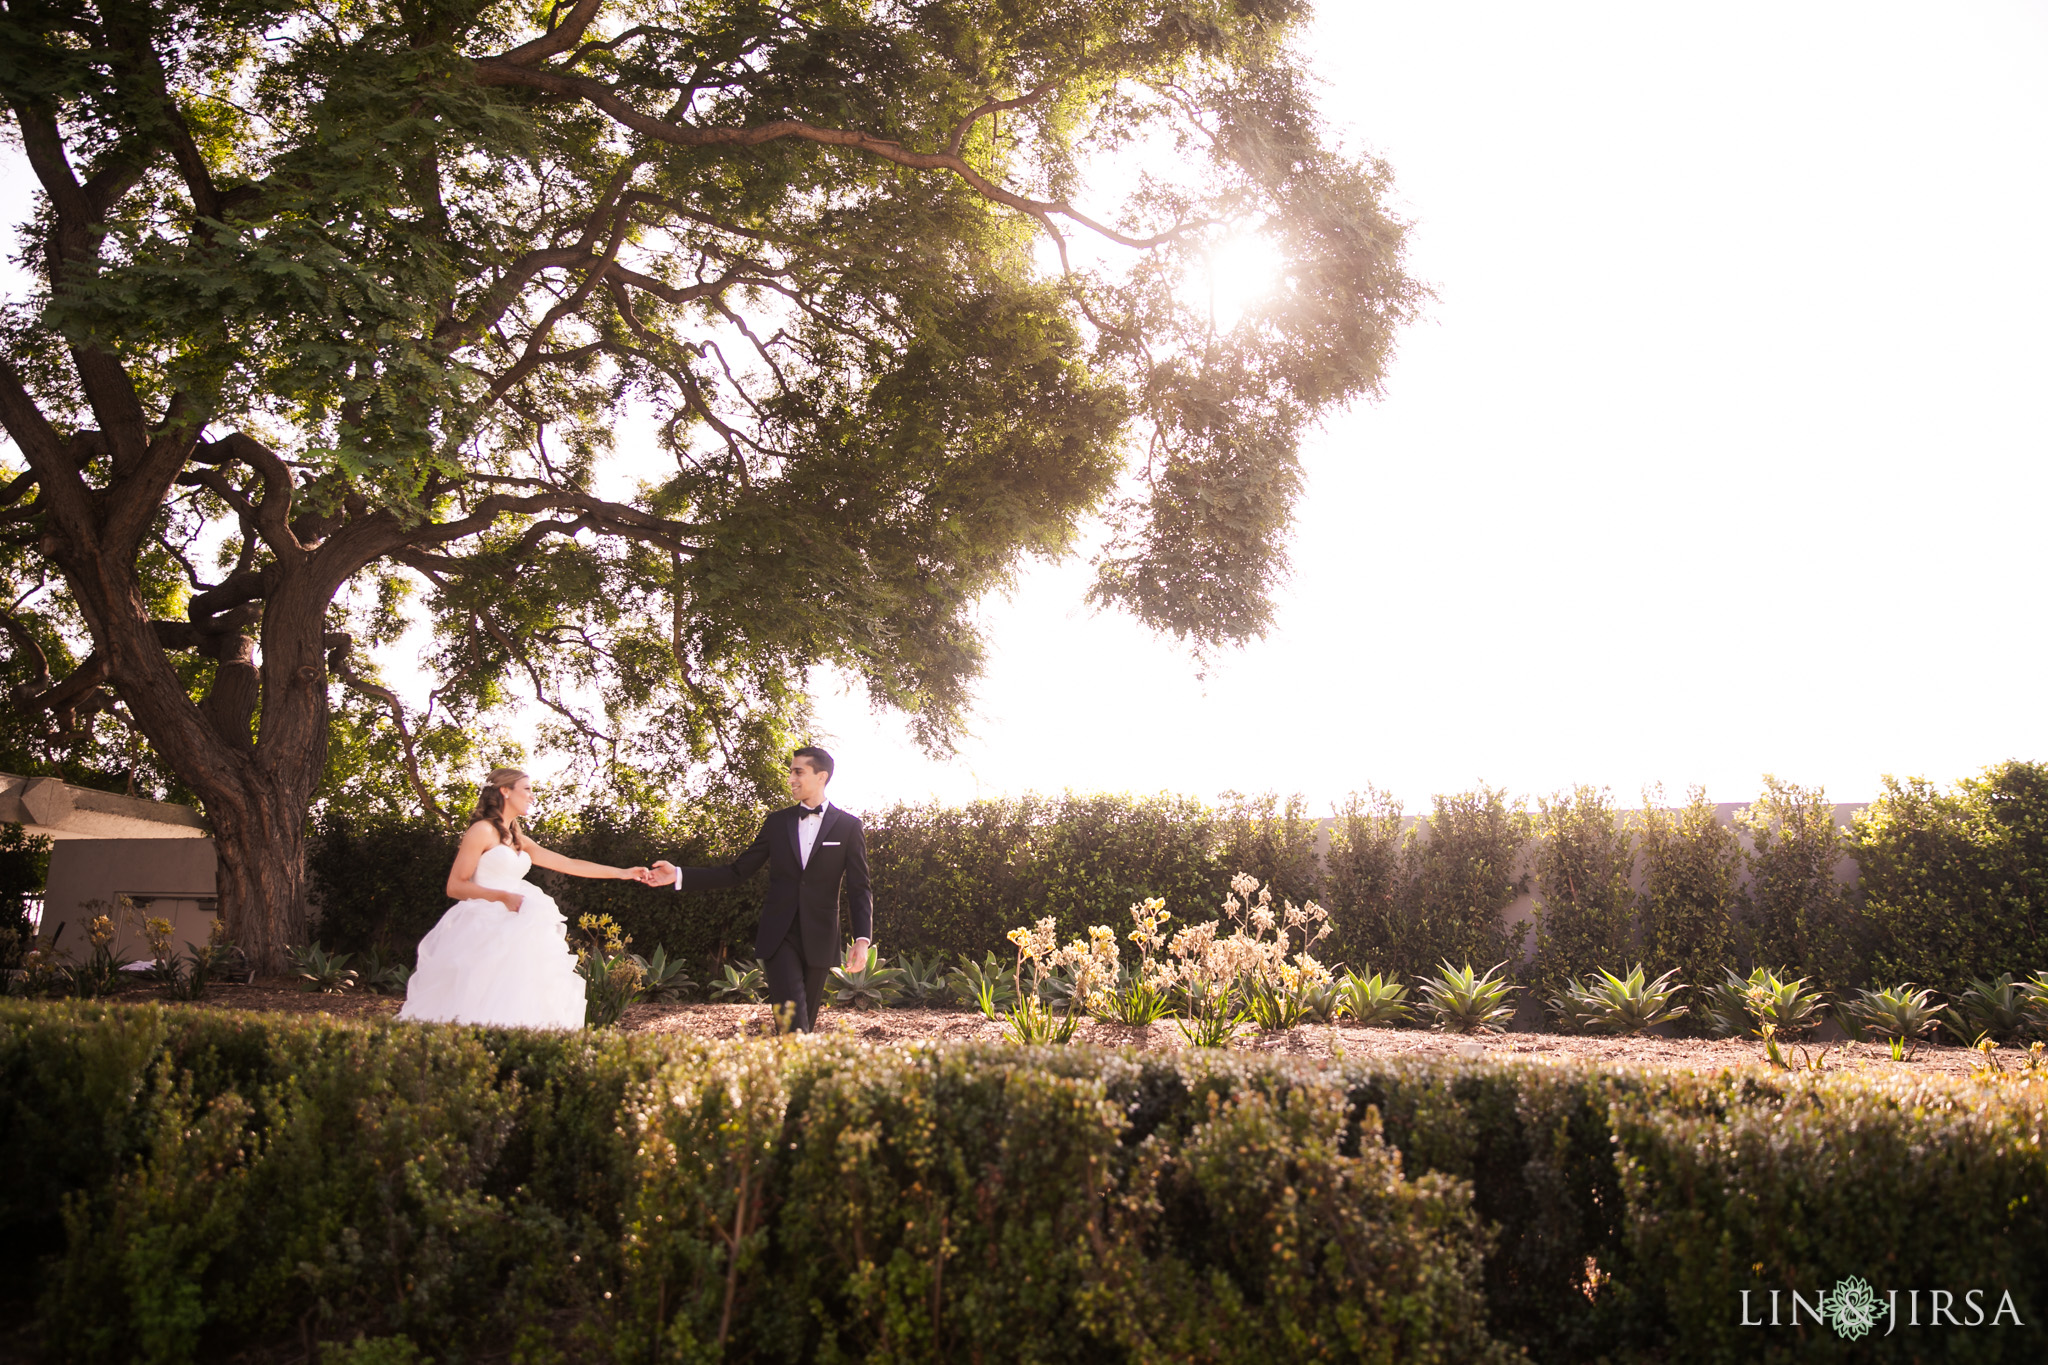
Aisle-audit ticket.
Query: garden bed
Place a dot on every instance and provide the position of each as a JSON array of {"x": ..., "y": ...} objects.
[{"x": 1309, "y": 1040}]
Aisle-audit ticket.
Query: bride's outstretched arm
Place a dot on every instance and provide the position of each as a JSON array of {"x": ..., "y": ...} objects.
[{"x": 577, "y": 867}]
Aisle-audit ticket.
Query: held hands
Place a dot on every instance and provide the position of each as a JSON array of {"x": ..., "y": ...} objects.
[{"x": 663, "y": 873}]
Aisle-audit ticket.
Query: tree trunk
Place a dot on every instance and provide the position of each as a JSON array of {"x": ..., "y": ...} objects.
[{"x": 259, "y": 834}]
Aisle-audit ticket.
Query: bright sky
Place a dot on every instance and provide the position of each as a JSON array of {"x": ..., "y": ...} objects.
[{"x": 1721, "y": 454}]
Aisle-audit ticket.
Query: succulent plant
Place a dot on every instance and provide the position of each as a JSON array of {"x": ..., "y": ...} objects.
[
  {"x": 1616, "y": 1004},
  {"x": 1376, "y": 1001},
  {"x": 1458, "y": 1000}
]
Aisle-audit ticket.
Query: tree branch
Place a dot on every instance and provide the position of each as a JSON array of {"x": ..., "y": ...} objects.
[
  {"x": 493, "y": 71},
  {"x": 339, "y": 646}
]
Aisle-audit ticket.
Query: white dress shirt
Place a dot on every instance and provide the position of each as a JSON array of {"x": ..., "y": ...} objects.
[{"x": 807, "y": 827}]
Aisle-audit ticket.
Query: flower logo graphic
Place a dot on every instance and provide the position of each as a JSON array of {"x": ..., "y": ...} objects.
[{"x": 1852, "y": 1307}]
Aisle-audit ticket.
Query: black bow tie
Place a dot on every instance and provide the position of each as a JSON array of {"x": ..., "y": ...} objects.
[{"x": 804, "y": 812}]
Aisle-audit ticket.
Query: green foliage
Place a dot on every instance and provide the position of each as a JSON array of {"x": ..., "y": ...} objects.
[
  {"x": 1137, "y": 1002},
  {"x": 923, "y": 980},
  {"x": 1792, "y": 1183},
  {"x": 24, "y": 870},
  {"x": 612, "y": 976},
  {"x": 1746, "y": 1005},
  {"x": 1796, "y": 911},
  {"x": 198, "y": 1185},
  {"x": 1276, "y": 1006},
  {"x": 383, "y": 976},
  {"x": 1460, "y": 877},
  {"x": 736, "y": 987},
  {"x": 987, "y": 985},
  {"x": 1367, "y": 887},
  {"x": 322, "y": 971},
  {"x": 1998, "y": 1009},
  {"x": 1618, "y": 1004},
  {"x": 1687, "y": 911},
  {"x": 1898, "y": 1014},
  {"x": 662, "y": 978},
  {"x": 1955, "y": 883},
  {"x": 1374, "y": 1001},
  {"x": 1033, "y": 1021},
  {"x": 1209, "y": 1013},
  {"x": 1584, "y": 908},
  {"x": 873, "y": 987},
  {"x": 1458, "y": 1000}
]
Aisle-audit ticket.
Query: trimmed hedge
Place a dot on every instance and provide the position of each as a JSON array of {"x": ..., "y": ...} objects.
[
  {"x": 1954, "y": 883},
  {"x": 195, "y": 1184}
]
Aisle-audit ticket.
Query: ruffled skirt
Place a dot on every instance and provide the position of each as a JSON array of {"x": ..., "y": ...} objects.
[{"x": 486, "y": 964}]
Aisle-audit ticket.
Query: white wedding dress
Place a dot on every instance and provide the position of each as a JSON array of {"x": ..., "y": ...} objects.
[{"x": 487, "y": 964}]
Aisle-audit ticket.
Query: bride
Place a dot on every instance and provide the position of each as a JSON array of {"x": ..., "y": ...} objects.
[{"x": 500, "y": 955}]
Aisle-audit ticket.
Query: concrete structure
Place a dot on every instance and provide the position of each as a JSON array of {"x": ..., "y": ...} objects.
[{"x": 116, "y": 855}]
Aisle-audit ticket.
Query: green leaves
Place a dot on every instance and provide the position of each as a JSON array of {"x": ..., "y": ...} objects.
[{"x": 696, "y": 345}]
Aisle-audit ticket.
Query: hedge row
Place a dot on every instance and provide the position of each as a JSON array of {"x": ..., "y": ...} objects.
[
  {"x": 189, "y": 1185},
  {"x": 1954, "y": 884}
]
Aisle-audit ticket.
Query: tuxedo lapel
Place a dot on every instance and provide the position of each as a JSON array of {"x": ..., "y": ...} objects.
[{"x": 796, "y": 845}]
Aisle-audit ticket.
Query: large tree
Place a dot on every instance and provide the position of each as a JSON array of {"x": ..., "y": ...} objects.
[{"x": 340, "y": 298}]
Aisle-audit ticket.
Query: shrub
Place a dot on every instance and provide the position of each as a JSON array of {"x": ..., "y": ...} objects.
[
  {"x": 1584, "y": 907},
  {"x": 24, "y": 872},
  {"x": 1364, "y": 886},
  {"x": 1687, "y": 909},
  {"x": 1459, "y": 876},
  {"x": 1955, "y": 883},
  {"x": 1796, "y": 912},
  {"x": 193, "y": 1185}
]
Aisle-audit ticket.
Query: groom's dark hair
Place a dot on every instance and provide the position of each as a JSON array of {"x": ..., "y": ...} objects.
[{"x": 820, "y": 760}]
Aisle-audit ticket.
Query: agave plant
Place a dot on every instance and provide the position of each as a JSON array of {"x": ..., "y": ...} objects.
[
  {"x": 873, "y": 987},
  {"x": 1375, "y": 1001},
  {"x": 1630, "y": 1004},
  {"x": 1900, "y": 1015},
  {"x": 1570, "y": 1011},
  {"x": 662, "y": 978},
  {"x": 2035, "y": 989},
  {"x": 742, "y": 987},
  {"x": 1321, "y": 1002},
  {"x": 986, "y": 986},
  {"x": 923, "y": 979},
  {"x": 318, "y": 970},
  {"x": 1991, "y": 1009},
  {"x": 1458, "y": 1000},
  {"x": 1741, "y": 1006}
]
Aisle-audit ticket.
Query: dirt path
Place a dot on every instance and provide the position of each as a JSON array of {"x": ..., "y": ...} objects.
[{"x": 1311, "y": 1040}]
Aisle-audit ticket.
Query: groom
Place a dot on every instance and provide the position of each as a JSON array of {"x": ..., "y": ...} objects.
[{"x": 810, "y": 848}]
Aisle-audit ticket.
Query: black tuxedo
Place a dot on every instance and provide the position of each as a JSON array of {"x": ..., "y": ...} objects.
[{"x": 798, "y": 941}]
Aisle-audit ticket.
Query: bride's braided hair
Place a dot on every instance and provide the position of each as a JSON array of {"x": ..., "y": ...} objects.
[{"x": 490, "y": 804}]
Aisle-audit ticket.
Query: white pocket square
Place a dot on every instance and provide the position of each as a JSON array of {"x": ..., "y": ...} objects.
[{"x": 832, "y": 843}]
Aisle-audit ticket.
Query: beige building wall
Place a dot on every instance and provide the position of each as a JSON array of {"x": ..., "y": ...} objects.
[{"x": 170, "y": 878}]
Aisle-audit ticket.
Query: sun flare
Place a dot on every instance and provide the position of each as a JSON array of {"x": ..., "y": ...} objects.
[{"x": 1232, "y": 276}]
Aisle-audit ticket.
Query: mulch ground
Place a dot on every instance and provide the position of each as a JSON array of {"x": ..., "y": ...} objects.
[{"x": 1310, "y": 1040}]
